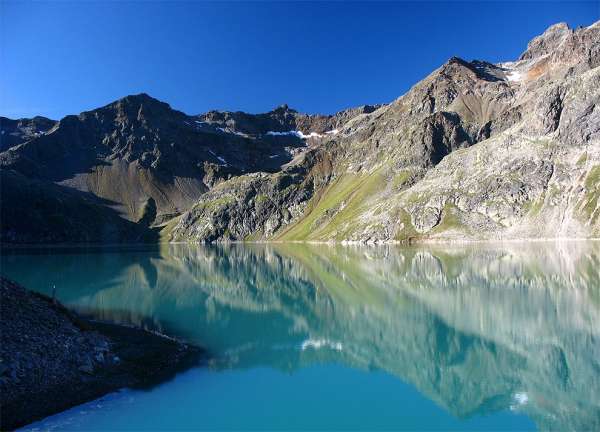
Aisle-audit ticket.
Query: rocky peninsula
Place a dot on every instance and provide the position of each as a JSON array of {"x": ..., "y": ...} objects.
[{"x": 52, "y": 359}]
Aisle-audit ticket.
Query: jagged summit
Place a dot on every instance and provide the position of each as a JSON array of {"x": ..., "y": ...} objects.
[
  {"x": 283, "y": 108},
  {"x": 141, "y": 105},
  {"x": 547, "y": 42},
  {"x": 139, "y": 98}
]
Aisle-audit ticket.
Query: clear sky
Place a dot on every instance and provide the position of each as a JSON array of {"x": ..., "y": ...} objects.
[{"x": 62, "y": 58}]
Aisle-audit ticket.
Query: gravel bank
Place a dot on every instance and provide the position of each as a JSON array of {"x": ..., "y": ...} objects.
[{"x": 51, "y": 359}]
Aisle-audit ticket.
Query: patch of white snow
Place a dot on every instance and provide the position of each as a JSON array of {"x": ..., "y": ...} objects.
[
  {"x": 299, "y": 134},
  {"x": 514, "y": 76},
  {"x": 218, "y": 157},
  {"x": 232, "y": 132}
]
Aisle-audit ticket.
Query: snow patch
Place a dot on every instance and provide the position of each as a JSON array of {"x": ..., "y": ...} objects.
[
  {"x": 218, "y": 157},
  {"x": 232, "y": 132},
  {"x": 321, "y": 343},
  {"x": 514, "y": 76},
  {"x": 332, "y": 132},
  {"x": 298, "y": 134}
]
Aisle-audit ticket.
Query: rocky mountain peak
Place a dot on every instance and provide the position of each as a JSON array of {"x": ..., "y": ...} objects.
[
  {"x": 140, "y": 98},
  {"x": 455, "y": 66},
  {"x": 136, "y": 114},
  {"x": 481, "y": 69},
  {"x": 457, "y": 60},
  {"x": 283, "y": 108},
  {"x": 547, "y": 42},
  {"x": 139, "y": 106}
]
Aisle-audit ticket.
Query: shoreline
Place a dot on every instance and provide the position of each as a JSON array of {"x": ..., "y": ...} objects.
[
  {"x": 53, "y": 359},
  {"x": 412, "y": 243}
]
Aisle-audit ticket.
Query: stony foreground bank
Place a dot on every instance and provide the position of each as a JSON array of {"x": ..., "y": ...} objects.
[{"x": 51, "y": 359}]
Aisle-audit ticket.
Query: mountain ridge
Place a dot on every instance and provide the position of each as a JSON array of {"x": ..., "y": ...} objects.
[{"x": 474, "y": 151}]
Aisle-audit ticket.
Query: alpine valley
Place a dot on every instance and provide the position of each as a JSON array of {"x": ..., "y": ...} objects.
[{"x": 474, "y": 151}]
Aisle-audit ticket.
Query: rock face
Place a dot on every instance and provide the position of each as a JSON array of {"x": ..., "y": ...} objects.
[
  {"x": 474, "y": 151},
  {"x": 53, "y": 360}
]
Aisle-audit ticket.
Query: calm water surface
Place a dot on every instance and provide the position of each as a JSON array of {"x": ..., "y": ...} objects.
[{"x": 502, "y": 337}]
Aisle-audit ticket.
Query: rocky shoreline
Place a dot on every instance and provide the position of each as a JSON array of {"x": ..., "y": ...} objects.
[{"x": 51, "y": 359}]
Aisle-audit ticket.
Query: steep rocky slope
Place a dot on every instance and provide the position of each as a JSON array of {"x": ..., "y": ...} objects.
[
  {"x": 474, "y": 151},
  {"x": 34, "y": 211}
]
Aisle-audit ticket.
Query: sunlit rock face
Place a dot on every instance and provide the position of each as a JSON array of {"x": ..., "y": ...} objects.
[
  {"x": 473, "y": 151},
  {"x": 475, "y": 328}
]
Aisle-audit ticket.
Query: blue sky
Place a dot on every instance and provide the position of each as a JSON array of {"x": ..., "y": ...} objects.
[{"x": 59, "y": 58}]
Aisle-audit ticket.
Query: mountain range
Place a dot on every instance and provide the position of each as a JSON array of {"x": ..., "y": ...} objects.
[{"x": 474, "y": 151}]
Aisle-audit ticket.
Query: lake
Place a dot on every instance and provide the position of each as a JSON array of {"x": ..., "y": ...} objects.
[{"x": 479, "y": 337}]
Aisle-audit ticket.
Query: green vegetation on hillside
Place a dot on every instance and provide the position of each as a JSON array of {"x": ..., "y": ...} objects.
[{"x": 337, "y": 210}]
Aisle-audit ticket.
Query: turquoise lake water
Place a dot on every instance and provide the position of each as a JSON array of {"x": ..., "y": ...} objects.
[{"x": 304, "y": 337}]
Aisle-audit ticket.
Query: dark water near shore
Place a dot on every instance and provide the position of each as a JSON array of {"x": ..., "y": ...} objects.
[{"x": 486, "y": 337}]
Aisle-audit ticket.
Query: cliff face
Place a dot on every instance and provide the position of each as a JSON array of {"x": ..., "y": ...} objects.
[{"x": 474, "y": 151}]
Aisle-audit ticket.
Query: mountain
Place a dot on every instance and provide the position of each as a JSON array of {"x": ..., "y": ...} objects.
[
  {"x": 15, "y": 132},
  {"x": 474, "y": 151}
]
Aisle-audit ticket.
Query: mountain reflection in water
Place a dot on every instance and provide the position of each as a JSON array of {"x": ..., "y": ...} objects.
[{"x": 477, "y": 329}]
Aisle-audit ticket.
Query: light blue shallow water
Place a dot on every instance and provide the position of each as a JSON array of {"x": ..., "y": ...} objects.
[{"x": 501, "y": 337}]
